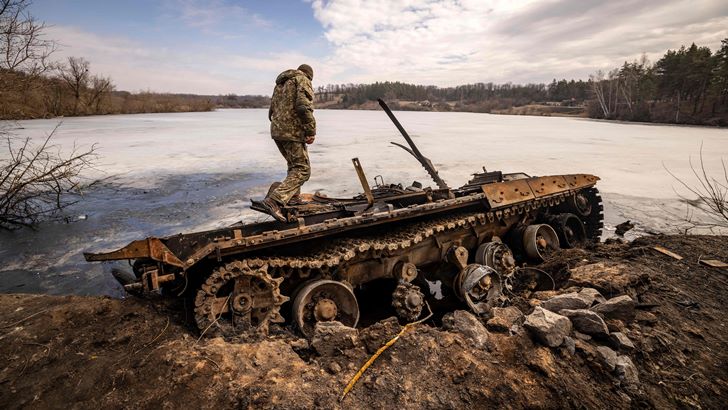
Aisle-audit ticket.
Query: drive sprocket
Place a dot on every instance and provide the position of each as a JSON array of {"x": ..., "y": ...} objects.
[
  {"x": 237, "y": 298},
  {"x": 408, "y": 301}
]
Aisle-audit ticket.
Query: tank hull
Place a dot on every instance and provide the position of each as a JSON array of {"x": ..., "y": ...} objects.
[{"x": 246, "y": 275}]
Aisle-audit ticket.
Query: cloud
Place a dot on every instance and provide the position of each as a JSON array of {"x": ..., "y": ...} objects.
[
  {"x": 210, "y": 15},
  {"x": 440, "y": 42},
  {"x": 448, "y": 42},
  {"x": 135, "y": 66}
]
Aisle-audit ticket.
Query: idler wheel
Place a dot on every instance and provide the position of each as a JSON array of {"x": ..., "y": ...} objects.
[
  {"x": 539, "y": 241},
  {"x": 324, "y": 300},
  {"x": 570, "y": 230}
]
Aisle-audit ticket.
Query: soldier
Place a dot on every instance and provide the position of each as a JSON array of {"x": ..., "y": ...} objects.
[{"x": 292, "y": 126}]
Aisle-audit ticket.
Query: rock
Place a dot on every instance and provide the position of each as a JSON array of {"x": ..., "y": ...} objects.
[
  {"x": 582, "y": 336},
  {"x": 615, "y": 325},
  {"x": 626, "y": 371},
  {"x": 542, "y": 361},
  {"x": 330, "y": 338},
  {"x": 565, "y": 301},
  {"x": 585, "y": 348},
  {"x": 544, "y": 294},
  {"x": 534, "y": 302},
  {"x": 569, "y": 345},
  {"x": 608, "y": 357},
  {"x": 300, "y": 344},
  {"x": 333, "y": 368},
  {"x": 645, "y": 318},
  {"x": 376, "y": 335},
  {"x": 505, "y": 318},
  {"x": 467, "y": 325},
  {"x": 620, "y": 341},
  {"x": 591, "y": 295},
  {"x": 621, "y": 308},
  {"x": 623, "y": 228},
  {"x": 548, "y": 327},
  {"x": 586, "y": 321}
]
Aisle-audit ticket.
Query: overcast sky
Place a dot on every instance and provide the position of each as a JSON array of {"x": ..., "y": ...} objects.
[{"x": 226, "y": 46}]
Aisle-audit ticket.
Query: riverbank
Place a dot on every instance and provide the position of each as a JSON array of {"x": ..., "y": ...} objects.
[
  {"x": 533, "y": 109},
  {"x": 91, "y": 352}
]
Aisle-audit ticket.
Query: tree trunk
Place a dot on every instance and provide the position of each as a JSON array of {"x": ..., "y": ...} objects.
[{"x": 677, "y": 111}]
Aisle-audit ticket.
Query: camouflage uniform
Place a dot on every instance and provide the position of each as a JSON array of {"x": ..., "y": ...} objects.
[{"x": 291, "y": 123}]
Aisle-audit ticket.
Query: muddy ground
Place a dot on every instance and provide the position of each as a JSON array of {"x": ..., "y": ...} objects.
[{"x": 93, "y": 352}]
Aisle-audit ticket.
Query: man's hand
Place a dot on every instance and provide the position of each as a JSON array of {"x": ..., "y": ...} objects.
[{"x": 310, "y": 139}]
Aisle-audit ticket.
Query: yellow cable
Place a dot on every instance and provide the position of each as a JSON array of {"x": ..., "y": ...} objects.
[{"x": 381, "y": 350}]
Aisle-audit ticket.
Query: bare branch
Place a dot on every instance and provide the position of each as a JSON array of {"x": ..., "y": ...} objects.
[
  {"x": 22, "y": 45},
  {"x": 711, "y": 194},
  {"x": 37, "y": 183}
]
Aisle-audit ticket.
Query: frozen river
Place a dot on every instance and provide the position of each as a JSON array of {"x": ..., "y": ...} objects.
[{"x": 169, "y": 173}]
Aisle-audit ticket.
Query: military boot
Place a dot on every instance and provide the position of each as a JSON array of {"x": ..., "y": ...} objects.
[{"x": 273, "y": 209}]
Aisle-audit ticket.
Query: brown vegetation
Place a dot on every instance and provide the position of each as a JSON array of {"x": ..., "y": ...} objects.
[{"x": 73, "y": 91}]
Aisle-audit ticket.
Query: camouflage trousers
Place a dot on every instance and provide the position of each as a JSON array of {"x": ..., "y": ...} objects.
[{"x": 299, "y": 170}]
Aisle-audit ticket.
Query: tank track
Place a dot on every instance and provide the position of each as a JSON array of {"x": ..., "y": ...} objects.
[
  {"x": 594, "y": 222},
  {"x": 325, "y": 262}
]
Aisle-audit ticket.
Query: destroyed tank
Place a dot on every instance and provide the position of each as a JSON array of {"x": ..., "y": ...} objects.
[{"x": 424, "y": 244}]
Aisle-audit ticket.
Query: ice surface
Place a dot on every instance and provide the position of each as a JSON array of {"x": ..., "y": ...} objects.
[{"x": 170, "y": 173}]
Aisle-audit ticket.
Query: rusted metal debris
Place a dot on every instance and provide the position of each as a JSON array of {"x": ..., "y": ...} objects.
[{"x": 467, "y": 239}]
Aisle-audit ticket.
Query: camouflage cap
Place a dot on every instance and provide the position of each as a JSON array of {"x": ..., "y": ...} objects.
[{"x": 307, "y": 70}]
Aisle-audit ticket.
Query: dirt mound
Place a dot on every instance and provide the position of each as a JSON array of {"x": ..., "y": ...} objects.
[{"x": 84, "y": 352}]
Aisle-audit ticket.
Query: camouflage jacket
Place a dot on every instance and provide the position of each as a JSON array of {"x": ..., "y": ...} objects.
[{"x": 291, "y": 108}]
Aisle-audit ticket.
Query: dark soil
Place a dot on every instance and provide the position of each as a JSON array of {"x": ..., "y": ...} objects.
[{"x": 90, "y": 352}]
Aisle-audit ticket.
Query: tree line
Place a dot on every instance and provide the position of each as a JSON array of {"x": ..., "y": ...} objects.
[{"x": 688, "y": 85}]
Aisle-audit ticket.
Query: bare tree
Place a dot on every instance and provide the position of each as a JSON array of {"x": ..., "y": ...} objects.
[
  {"x": 38, "y": 181},
  {"x": 76, "y": 76},
  {"x": 22, "y": 46},
  {"x": 711, "y": 193},
  {"x": 100, "y": 88},
  {"x": 606, "y": 91}
]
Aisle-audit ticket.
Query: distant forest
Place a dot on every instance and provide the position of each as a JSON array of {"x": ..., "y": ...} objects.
[{"x": 688, "y": 85}]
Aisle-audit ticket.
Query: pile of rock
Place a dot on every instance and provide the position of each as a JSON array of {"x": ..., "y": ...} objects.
[
  {"x": 589, "y": 317},
  {"x": 581, "y": 320}
]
